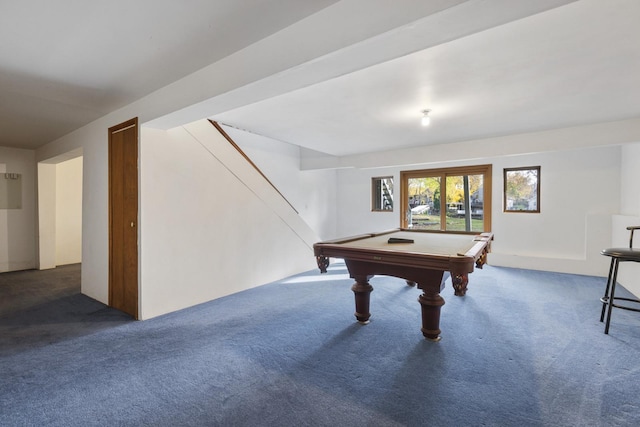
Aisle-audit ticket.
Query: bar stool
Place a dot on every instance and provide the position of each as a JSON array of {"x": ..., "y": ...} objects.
[{"x": 618, "y": 255}]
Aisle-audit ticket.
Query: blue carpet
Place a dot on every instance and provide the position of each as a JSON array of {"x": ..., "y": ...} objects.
[{"x": 522, "y": 348}]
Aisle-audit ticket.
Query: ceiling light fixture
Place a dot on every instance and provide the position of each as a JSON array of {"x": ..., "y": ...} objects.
[{"x": 425, "y": 118}]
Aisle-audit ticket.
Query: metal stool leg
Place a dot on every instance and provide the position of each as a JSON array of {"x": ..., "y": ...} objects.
[
  {"x": 610, "y": 300},
  {"x": 605, "y": 297}
]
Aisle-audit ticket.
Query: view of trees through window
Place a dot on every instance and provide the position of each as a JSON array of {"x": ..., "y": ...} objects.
[
  {"x": 451, "y": 199},
  {"x": 521, "y": 192},
  {"x": 424, "y": 203}
]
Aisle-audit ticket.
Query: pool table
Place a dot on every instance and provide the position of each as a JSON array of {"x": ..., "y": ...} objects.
[{"x": 420, "y": 257}]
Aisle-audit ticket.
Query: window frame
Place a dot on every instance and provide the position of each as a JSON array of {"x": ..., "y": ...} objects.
[
  {"x": 484, "y": 170},
  {"x": 374, "y": 191},
  {"x": 504, "y": 189}
]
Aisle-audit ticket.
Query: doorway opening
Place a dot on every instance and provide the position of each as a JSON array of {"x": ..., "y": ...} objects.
[{"x": 60, "y": 210}]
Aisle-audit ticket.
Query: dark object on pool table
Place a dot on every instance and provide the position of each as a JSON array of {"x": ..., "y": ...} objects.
[{"x": 397, "y": 240}]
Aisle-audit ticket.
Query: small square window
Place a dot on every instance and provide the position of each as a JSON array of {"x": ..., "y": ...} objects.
[{"x": 522, "y": 189}]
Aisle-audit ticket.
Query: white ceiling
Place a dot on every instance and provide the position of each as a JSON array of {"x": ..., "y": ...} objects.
[
  {"x": 573, "y": 65},
  {"x": 65, "y": 63},
  {"x": 525, "y": 70}
]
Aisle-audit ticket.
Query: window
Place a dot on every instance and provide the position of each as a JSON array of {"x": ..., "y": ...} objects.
[
  {"x": 522, "y": 189},
  {"x": 449, "y": 199},
  {"x": 382, "y": 194}
]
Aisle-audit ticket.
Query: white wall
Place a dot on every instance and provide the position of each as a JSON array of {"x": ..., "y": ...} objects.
[
  {"x": 354, "y": 199},
  {"x": 46, "y": 216},
  {"x": 578, "y": 196},
  {"x": 311, "y": 193},
  {"x": 629, "y": 273},
  {"x": 95, "y": 207},
  {"x": 68, "y": 216},
  {"x": 17, "y": 226},
  {"x": 209, "y": 224},
  {"x": 577, "y": 202},
  {"x": 629, "y": 179}
]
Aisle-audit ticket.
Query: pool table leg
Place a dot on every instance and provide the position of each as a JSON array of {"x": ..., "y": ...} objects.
[
  {"x": 459, "y": 282},
  {"x": 431, "y": 304},
  {"x": 323, "y": 263},
  {"x": 362, "y": 291}
]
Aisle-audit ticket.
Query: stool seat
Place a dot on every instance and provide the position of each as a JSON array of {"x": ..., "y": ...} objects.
[{"x": 625, "y": 254}]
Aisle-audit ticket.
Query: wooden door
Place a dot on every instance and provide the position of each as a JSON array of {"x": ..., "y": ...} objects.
[{"x": 123, "y": 217}]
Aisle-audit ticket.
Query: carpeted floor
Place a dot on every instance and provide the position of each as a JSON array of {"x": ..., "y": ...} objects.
[
  {"x": 41, "y": 307},
  {"x": 522, "y": 348}
]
